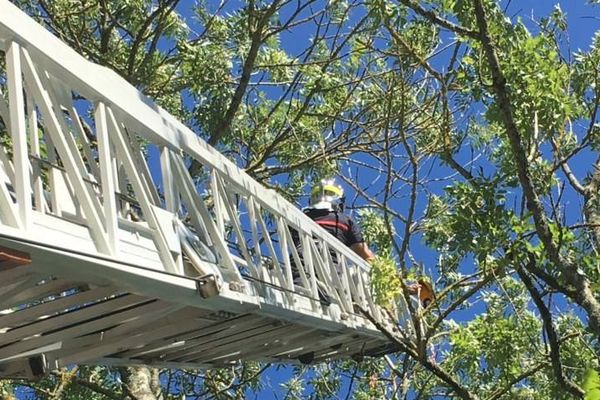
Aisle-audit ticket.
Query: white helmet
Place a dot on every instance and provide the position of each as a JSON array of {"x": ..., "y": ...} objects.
[{"x": 327, "y": 195}]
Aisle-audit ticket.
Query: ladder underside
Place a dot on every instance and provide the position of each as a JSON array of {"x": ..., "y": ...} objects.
[{"x": 64, "y": 308}]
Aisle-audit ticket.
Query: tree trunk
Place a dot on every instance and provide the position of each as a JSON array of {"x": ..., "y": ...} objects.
[{"x": 142, "y": 383}]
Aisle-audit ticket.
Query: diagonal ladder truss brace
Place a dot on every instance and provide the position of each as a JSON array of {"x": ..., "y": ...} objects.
[
  {"x": 205, "y": 222},
  {"x": 72, "y": 162},
  {"x": 146, "y": 200}
]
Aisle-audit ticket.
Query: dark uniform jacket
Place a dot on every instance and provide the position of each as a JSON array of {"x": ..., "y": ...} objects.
[{"x": 338, "y": 224}]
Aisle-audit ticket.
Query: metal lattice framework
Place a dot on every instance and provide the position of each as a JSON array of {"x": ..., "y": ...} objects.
[{"x": 124, "y": 273}]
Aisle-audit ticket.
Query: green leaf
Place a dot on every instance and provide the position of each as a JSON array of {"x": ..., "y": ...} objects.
[{"x": 591, "y": 385}]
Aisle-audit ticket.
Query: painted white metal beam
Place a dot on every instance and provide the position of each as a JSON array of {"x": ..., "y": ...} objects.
[
  {"x": 60, "y": 139},
  {"x": 107, "y": 174},
  {"x": 18, "y": 133}
]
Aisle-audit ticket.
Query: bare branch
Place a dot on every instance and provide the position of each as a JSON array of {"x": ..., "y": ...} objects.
[
  {"x": 422, "y": 359},
  {"x": 565, "y": 383}
]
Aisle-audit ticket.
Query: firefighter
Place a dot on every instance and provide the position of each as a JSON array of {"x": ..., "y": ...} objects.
[{"x": 326, "y": 208}]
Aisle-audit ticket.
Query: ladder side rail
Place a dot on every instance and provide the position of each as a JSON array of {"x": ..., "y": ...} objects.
[
  {"x": 196, "y": 209},
  {"x": 318, "y": 263},
  {"x": 276, "y": 267},
  {"x": 318, "y": 234},
  {"x": 322, "y": 269},
  {"x": 279, "y": 207},
  {"x": 336, "y": 269},
  {"x": 77, "y": 213},
  {"x": 140, "y": 163},
  {"x": 171, "y": 196},
  {"x": 403, "y": 317},
  {"x": 55, "y": 173},
  {"x": 125, "y": 209},
  {"x": 159, "y": 216},
  {"x": 217, "y": 203},
  {"x": 259, "y": 263},
  {"x": 62, "y": 97},
  {"x": 268, "y": 263},
  {"x": 151, "y": 121},
  {"x": 339, "y": 286},
  {"x": 310, "y": 268},
  {"x": 80, "y": 128},
  {"x": 372, "y": 306},
  {"x": 60, "y": 100},
  {"x": 300, "y": 264},
  {"x": 349, "y": 294},
  {"x": 358, "y": 295},
  {"x": 285, "y": 252}
]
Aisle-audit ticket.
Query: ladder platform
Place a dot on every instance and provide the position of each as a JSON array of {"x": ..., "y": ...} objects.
[{"x": 58, "y": 319}]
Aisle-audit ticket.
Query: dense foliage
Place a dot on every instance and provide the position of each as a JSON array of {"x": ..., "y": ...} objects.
[{"x": 469, "y": 138}]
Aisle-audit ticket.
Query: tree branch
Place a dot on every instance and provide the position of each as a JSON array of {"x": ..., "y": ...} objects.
[
  {"x": 460, "y": 301},
  {"x": 565, "y": 383},
  {"x": 435, "y": 369},
  {"x": 256, "y": 36},
  {"x": 583, "y": 294},
  {"x": 98, "y": 389},
  {"x": 591, "y": 205},
  {"x": 436, "y": 19},
  {"x": 498, "y": 393}
]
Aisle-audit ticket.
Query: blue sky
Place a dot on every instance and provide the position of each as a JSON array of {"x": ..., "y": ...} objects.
[{"x": 583, "y": 21}]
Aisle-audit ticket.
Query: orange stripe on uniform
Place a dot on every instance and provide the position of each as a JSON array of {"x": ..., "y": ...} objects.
[{"x": 339, "y": 225}]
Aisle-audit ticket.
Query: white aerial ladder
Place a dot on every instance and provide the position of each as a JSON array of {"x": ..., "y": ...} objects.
[{"x": 99, "y": 267}]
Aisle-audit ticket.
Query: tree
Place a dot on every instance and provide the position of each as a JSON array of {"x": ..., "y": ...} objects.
[
  {"x": 467, "y": 136},
  {"x": 522, "y": 94}
]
